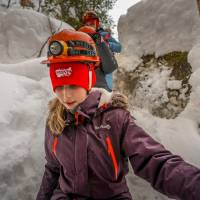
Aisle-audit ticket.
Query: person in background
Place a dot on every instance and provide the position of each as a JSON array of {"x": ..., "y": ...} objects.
[
  {"x": 90, "y": 135},
  {"x": 107, "y": 63},
  {"x": 90, "y": 18}
]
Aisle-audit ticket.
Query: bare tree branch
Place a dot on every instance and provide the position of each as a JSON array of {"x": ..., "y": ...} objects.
[
  {"x": 52, "y": 32},
  {"x": 50, "y": 25},
  {"x": 39, "y": 6},
  {"x": 8, "y": 4},
  {"x": 40, "y": 52}
]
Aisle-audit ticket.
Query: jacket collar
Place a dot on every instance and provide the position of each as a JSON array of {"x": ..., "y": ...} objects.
[
  {"x": 97, "y": 101},
  {"x": 90, "y": 105},
  {"x": 86, "y": 109}
]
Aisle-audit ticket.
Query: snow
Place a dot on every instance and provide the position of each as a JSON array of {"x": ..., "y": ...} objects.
[
  {"x": 160, "y": 27},
  {"x": 174, "y": 84},
  {"x": 30, "y": 68},
  {"x": 153, "y": 87},
  {"x": 23, "y": 109},
  {"x": 19, "y": 28},
  {"x": 193, "y": 57},
  {"x": 149, "y": 27}
]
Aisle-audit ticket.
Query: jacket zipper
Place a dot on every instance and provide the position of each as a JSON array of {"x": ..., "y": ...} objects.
[{"x": 75, "y": 170}]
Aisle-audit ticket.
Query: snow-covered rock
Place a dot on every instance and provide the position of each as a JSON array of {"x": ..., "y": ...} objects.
[
  {"x": 23, "y": 33},
  {"x": 160, "y": 27}
]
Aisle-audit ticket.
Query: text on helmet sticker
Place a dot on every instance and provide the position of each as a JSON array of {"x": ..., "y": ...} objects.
[{"x": 63, "y": 72}]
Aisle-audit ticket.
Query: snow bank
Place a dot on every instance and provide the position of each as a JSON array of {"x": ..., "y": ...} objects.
[
  {"x": 25, "y": 91},
  {"x": 159, "y": 27},
  {"x": 23, "y": 106},
  {"x": 30, "y": 68}
]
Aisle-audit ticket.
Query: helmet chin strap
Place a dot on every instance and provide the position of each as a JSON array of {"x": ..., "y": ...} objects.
[
  {"x": 90, "y": 79},
  {"x": 90, "y": 76}
]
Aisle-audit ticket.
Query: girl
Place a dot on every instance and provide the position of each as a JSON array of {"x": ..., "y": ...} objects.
[{"x": 88, "y": 142}]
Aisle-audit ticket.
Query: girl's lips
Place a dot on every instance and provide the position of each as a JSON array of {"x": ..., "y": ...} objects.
[{"x": 70, "y": 103}]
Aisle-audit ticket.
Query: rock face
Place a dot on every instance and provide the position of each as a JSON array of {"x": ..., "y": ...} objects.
[
  {"x": 158, "y": 84},
  {"x": 154, "y": 71}
]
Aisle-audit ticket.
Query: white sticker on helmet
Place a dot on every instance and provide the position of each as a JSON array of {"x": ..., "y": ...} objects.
[{"x": 63, "y": 72}]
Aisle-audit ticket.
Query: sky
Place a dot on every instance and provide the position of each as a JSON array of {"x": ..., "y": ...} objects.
[{"x": 119, "y": 9}]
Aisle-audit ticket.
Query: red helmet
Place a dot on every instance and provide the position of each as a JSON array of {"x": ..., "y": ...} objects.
[
  {"x": 92, "y": 32},
  {"x": 72, "y": 46},
  {"x": 72, "y": 57},
  {"x": 89, "y": 15},
  {"x": 87, "y": 29}
]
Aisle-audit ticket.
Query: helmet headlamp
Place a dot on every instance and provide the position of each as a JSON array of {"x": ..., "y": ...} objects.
[{"x": 57, "y": 48}]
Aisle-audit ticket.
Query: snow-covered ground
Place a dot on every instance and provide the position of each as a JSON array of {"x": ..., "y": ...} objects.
[{"x": 25, "y": 89}]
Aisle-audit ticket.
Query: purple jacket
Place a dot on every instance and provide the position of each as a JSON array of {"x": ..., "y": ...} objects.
[{"x": 89, "y": 160}]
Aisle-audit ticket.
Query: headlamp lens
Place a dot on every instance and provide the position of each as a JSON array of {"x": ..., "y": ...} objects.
[{"x": 55, "y": 48}]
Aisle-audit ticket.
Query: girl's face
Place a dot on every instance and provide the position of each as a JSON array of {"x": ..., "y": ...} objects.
[{"x": 71, "y": 95}]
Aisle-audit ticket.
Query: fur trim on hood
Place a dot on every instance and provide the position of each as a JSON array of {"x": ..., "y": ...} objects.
[{"x": 116, "y": 99}]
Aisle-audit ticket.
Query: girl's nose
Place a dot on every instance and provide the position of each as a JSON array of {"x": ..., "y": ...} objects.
[{"x": 66, "y": 93}]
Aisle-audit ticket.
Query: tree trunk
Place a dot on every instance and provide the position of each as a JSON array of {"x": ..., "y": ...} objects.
[
  {"x": 8, "y": 4},
  {"x": 26, "y": 3},
  {"x": 40, "y": 1},
  {"x": 198, "y": 5}
]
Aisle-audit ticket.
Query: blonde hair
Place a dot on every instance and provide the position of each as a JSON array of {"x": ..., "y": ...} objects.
[{"x": 56, "y": 117}]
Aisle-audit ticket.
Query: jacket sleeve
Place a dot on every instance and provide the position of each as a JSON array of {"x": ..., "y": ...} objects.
[
  {"x": 108, "y": 61},
  {"x": 51, "y": 173},
  {"x": 167, "y": 173},
  {"x": 115, "y": 46}
]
